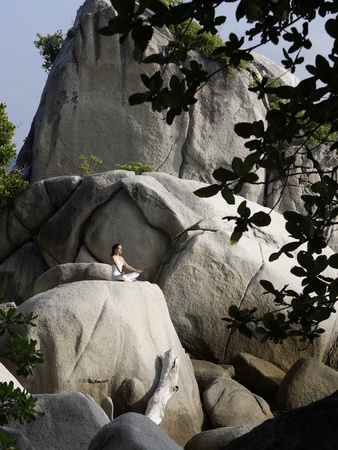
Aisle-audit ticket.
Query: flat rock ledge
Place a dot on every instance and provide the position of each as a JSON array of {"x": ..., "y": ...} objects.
[{"x": 70, "y": 272}]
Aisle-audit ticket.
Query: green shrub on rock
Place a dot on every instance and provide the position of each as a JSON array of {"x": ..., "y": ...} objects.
[{"x": 136, "y": 167}]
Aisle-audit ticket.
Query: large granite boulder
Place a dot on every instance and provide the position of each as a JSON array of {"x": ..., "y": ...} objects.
[
  {"x": 181, "y": 243},
  {"x": 70, "y": 421},
  {"x": 96, "y": 334},
  {"x": 95, "y": 70}
]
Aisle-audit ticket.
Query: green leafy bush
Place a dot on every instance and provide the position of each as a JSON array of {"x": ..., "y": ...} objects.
[
  {"x": 49, "y": 47},
  {"x": 136, "y": 167},
  {"x": 89, "y": 166},
  {"x": 189, "y": 33},
  {"x": 14, "y": 402},
  {"x": 11, "y": 183}
]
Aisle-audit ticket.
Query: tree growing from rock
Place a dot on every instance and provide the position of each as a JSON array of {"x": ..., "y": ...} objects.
[
  {"x": 10, "y": 182},
  {"x": 300, "y": 119},
  {"x": 49, "y": 47}
]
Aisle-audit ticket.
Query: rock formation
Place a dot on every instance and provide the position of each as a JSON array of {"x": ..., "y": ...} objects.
[
  {"x": 179, "y": 240},
  {"x": 89, "y": 86},
  {"x": 96, "y": 334},
  {"x": 103, "y": 340},
  {"x": 70, "y": 421}
]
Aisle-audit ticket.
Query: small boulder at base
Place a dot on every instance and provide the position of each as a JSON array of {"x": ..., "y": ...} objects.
[
  {"x": 229, "y": 404},
  {"x": 215, "y": 439},
  {"x": 307, "y": 381},
  {"x": 132, "y": 431},
  {"x": 207, "y": 373},
  {"x": 258, "y": 375}
]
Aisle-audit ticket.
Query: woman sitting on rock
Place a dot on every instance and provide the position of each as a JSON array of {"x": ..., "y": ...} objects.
[{"x": 118, "y": 263}]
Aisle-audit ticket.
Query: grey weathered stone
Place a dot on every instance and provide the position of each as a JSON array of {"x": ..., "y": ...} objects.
[
  {"x": 85, "y": 256},
  {"x": 19, "y": 272},
  {"x": 108, "y": 407},
  {"x": 307, "y": 381},
  {"x": 59, "y": 189},
  {"x": 207, "y": 373},
  {"x": 68, "y": 273},
  {"x": 70, "y": 421},
  {"x": 258, "y": 375},
  {"x": 45, "y": 197},
  {"x": 130, "y": 396},
  {"x": 160, "y": 207},
  {"x": 217, "y": 438},
  {"x": 21, "y": 441},
  {"x": 265, "y": 67},
  {"x": 132, "y": 431},
  {"x": 120, "y": 220},
  {"x": 228, "y": 404},
  {"x": 7, "y": 247},
  {"x": 60, "y": 237},
  {"x": 97, "y": 70},
  {"x": 200, "y": 274},
  {"x": 311, "y": 427},
  {"x": 7, "y": 305},
  {"x": 95, "y": 334},
  {"x": 17, "y": 232},
  {"x": 35, "y": 198}
]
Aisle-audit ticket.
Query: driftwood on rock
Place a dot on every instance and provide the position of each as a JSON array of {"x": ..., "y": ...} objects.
[{"x": 166, "y": 387}]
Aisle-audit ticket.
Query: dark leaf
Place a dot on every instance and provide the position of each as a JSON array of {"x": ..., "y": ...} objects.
[
  {"x": 224, "y": 175},
  {"x": 260, "y": 219},
  {"x": 237, "y": 166},
  {"x": 235, "y": 237},
  {"x": 333, "y": 261},
  {"x": 228, "y": 195},
  {"x": 138, "y": 99},
  {"x": 208, "y": 191},
  {"x": 267, "y": 285},
  {"x": 244, "y": 129}
]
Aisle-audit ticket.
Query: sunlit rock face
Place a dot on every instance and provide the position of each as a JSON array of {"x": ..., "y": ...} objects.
[
  {"x": 84, "y": 109},
  {"x": 178, "y": 239}
]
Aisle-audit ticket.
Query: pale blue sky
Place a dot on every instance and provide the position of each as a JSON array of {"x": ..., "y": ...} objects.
[{"x": 21, "y": 77}]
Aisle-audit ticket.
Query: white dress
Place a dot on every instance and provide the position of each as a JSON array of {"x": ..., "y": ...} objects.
[{"x": 117, "y": 276}]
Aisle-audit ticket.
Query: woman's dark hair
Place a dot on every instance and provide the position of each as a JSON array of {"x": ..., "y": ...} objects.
[{"x": 114, "y": 248}]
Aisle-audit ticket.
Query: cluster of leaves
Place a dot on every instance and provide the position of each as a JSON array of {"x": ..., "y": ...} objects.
[
  {"x": 89, "y": 166},
  {"x": 49, "y": 47},
  {"x": 18, "y": 404},
  {"x": 313, "y": 134},
  {"x": 10, "y": 182},
  {"x": 15, "y": 348},
  {"x": 199, "y": 28},
  {"x": 299, "y": 117},
  {"x": 188, "y": 36},
  {"x": 14, "y": 402},
  {"x": 137, "y": 167}
]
